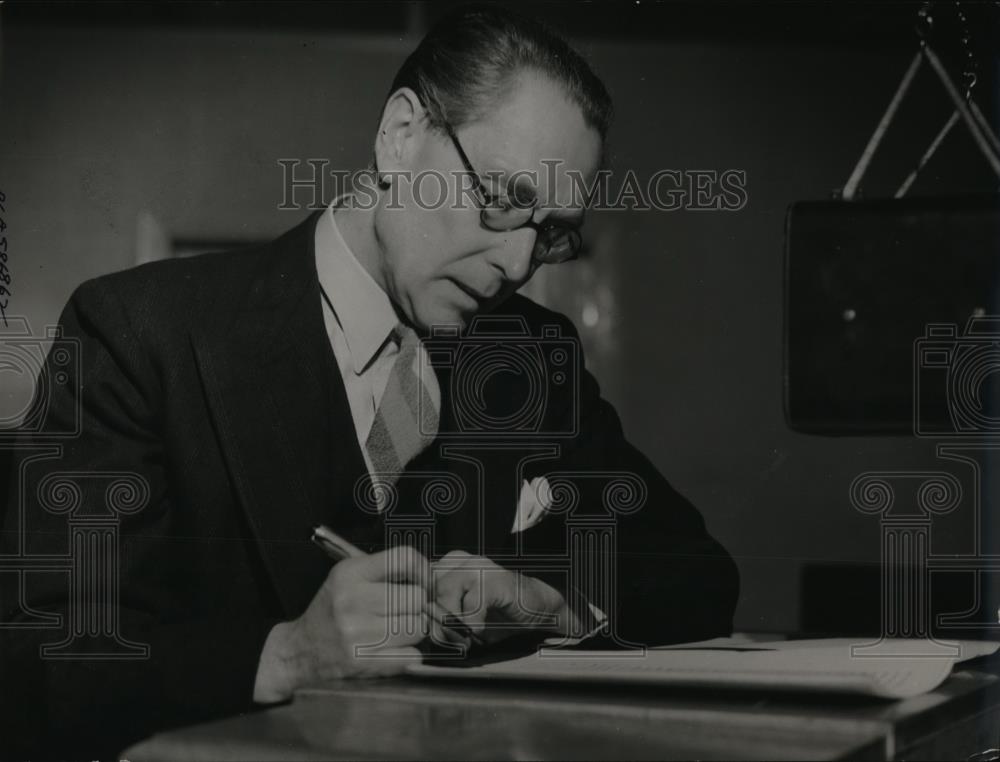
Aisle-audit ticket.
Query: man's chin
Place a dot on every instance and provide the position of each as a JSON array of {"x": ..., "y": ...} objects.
[
  {"x": 443, "y": 317},
  {"x": 451, "y": 315}
]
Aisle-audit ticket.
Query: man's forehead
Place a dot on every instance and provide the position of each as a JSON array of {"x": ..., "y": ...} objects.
[
  {"x": 550, "y": 181},
  {"x": 538, "y": 136},
  {"x": 551, "y": 175}
]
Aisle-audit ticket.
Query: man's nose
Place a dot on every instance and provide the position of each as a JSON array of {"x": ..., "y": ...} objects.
[{"x": 513, "y": 257}]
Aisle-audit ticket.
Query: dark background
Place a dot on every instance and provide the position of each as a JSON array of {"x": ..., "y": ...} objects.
[{"x": 126, "y": 128}]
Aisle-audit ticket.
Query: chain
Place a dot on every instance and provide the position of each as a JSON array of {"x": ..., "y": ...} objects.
[
  {"x": 971, "y": 64},
  {"x": 925, "y": 25}
]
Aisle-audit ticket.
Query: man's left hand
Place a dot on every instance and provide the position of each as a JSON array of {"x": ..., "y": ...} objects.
[{"x": 496, "y": 602}]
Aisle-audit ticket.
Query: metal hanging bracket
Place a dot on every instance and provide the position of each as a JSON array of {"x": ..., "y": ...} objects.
[{"x": 966, "y": 110}]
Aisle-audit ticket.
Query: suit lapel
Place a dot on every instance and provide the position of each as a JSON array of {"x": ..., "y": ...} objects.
[{"x": 274, "y": 393}]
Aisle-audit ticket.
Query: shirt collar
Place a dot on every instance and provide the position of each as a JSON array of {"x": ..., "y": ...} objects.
[{"x": 362, "y": 308}]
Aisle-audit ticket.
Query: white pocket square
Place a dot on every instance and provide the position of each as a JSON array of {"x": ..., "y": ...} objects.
[{"x": 534, "y": 502}]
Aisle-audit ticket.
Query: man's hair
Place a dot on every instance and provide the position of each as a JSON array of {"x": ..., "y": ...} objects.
[{"x": 470, "y": 61}]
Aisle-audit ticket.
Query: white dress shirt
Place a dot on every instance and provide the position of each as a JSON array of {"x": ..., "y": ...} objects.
[{"x": 360, "y": 324}]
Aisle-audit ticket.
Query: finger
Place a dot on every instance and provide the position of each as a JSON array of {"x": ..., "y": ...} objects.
[
  {"x": 454, "y": 559},
  {"x": 367, "y": 633},
  {"x": 455, "y": 629},
  {"x": 441, "y": 631},
  {"x": 387, "y": 660},
  {"x": 411, "y": 629},
  {"x": 450, "y": 589},
  {"x": 436, "y": 612},
  {"x": 395, "y": 599},
  {"x": 460, "y": 595},
  {"x": 465, "y": 572},
  {"x": 388, "y": 599},
  {"x": 473, "y": 610},
  {"x": 400, "y": 564}
]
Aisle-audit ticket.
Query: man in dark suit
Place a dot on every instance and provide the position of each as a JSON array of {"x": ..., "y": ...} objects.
[{"x": 340, "y": 376}]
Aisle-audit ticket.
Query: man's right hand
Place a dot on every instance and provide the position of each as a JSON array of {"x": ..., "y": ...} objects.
[{"x": 364, "y": 621}]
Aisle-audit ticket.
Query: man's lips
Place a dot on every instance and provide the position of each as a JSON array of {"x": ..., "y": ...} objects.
[{"x": 477, "y": 295}]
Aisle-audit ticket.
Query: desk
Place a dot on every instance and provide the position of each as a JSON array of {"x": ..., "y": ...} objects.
[{"x": 406, "y": 718}]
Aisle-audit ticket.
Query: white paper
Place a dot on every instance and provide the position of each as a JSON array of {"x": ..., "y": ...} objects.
[{"x": 826, "y": 665}]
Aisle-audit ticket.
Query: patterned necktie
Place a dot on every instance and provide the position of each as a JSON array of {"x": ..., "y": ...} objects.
[{"x": 406, "y": 420}]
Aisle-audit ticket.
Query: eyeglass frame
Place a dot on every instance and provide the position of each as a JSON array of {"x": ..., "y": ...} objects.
[{"x": 573, "y": 234}]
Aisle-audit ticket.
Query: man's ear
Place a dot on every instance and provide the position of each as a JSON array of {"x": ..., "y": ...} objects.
[{"x": 399, "y": 131}]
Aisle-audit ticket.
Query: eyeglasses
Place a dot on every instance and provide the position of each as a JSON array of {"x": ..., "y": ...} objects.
[{"x": 555, "y": 242}]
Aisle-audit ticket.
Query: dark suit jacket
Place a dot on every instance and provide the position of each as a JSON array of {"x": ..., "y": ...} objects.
[{"x": 213, "y": 379}]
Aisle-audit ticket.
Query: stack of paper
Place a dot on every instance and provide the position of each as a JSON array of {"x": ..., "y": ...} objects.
[{"x": 900, "y": 668}]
